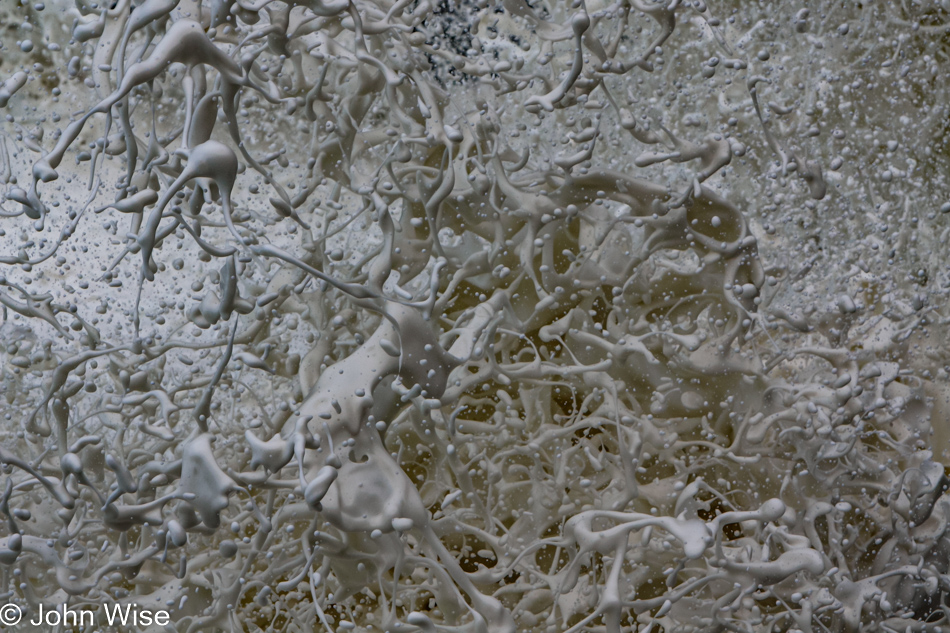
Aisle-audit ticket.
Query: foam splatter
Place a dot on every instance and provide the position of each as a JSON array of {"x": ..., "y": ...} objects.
[{"x": 483, "y": 316}]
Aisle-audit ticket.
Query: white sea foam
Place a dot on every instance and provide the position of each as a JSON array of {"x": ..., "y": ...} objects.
[{"x": 483, "y": 316}]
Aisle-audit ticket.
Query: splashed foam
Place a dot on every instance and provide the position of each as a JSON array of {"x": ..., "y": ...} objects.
[{"x": 476, "y": 317}]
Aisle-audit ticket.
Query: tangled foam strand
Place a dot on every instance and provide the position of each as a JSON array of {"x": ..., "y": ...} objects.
[{"x": 487, "y": 316}]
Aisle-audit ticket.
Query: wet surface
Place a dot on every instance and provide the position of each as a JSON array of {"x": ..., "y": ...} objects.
[{"x": 476, "y": 316}]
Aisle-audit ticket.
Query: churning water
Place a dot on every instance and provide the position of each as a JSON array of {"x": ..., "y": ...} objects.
[{"x": 486, "y": 316}]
